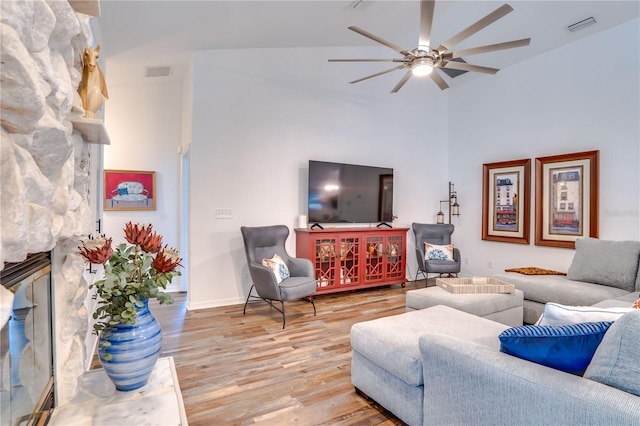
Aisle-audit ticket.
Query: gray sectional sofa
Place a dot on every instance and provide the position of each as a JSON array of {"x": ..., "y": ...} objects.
[
  {"x": 468, "y": 384},
  {"x": 601, "y": 270},
  {"x": 442, "y": 366}
]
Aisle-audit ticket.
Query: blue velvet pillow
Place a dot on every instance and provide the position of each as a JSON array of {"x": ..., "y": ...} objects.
[
  {"x": 123, "y": 191},
  {"x": 567, "y": 348}
]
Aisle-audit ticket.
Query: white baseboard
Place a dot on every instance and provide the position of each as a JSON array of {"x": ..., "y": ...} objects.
[{"x": 192, "y": 306}]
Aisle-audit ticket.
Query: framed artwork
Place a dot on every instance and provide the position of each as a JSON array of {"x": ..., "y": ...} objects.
[
  {"x": 566, "y": 198},
  {"x": 506, "y": 201},
  {"x": 129, "y": 190}
]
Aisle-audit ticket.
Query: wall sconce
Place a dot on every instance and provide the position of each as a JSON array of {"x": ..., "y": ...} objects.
[
  {"x": 454, "y": 207},
  {"x": 440, "y": 215}
]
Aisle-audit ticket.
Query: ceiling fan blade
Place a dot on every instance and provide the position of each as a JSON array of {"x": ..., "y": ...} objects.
[
  {"x": 378, "y": 39},
  {"x": 366, "y": 60},
  {"x": 474, "y": 28},
  {"x": 377, "y": 74},
  {"x": 486, "y": 49},
  {"x": 468, "y": 67},
  {"x": 438, "y": 80},
  {"x": 426, "y": 21},
  {"x": 402, "y": 81}
]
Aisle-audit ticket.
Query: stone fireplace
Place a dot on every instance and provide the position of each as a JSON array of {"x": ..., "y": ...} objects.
[{"x": 49, "y": 172}]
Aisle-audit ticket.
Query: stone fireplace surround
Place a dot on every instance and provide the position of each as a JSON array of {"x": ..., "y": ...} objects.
[{"x": 45, "y": 165}]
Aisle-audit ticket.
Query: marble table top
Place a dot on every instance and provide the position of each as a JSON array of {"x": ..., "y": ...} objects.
[{"x": 97, "y": 402}]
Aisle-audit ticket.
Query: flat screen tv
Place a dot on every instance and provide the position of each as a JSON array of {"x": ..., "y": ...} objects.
[{"x": 349, "y": 193}]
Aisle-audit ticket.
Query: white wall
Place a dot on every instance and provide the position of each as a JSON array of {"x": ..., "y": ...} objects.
[
  {"x": 583, "y": 96},
  {"x": 144, "y": 122},
  {"x": 259, "y": 116}
]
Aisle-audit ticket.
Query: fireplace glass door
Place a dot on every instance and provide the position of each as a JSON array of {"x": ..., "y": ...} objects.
[{"x": 26, "y": 360}]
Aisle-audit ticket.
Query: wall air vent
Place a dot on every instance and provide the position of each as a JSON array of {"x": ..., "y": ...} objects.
[
  {"x": 581, "y": 24},
  {"x": 157, "y": 72},
  {"x": 454, "y": 73}
]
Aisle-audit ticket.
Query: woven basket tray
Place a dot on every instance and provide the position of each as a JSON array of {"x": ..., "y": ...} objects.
[{"x": 475, "y": 285}]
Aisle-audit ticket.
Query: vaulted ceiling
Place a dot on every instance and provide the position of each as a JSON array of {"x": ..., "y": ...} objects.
[{"x": 137, "y": 34}]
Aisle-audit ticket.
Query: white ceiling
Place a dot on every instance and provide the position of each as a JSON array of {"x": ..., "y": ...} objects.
[{"x": 135, "y": 34}]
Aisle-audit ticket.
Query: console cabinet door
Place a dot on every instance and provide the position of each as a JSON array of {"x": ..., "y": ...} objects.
[
  {"x": 324, "y": 250},
  {"x": 337, "y": 261},
  {"x": 394, "y": 257},
  {"x": 349, "y": 262},
  {"x": 384, "y": 257}
]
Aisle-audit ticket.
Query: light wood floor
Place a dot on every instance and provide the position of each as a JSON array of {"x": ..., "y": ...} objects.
[{"x": 239, "y": 369}]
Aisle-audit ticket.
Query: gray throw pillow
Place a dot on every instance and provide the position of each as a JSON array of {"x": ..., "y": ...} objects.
[
  {"x": 610, "y": 263},
  {"x": 615, "y": 362}
]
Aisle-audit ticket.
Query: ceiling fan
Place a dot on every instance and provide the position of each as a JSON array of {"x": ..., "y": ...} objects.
[{"x": 423, "y": 59}]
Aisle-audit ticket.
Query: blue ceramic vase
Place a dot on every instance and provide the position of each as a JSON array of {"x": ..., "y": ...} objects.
[{"x": 133, "y": 350}]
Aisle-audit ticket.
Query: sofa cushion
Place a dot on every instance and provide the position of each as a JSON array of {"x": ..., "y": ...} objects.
[
  {"x": 560, "y": 289},
  {"x": 392, "y": 342},
  {"x": 557, "y": 314},
  {"x": 619, "y": 302},
  {"x": 567, "y": 348},
  {"x": 611, "y": 263},
  {"x": 615, "y": 362}
]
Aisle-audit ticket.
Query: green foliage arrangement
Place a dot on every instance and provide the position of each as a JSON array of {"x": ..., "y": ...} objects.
[{"x": 133, "y": 274}]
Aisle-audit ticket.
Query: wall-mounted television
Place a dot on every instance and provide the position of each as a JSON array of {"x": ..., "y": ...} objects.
[{"x": 349, "y": 193}]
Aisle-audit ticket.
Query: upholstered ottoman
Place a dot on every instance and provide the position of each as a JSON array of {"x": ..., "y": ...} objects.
[
  {"x": 386, "y": 363},
  {"x": 505, "y": 308}
]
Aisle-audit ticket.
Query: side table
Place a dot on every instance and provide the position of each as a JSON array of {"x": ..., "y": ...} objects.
[{"x": 97, "y": 402}]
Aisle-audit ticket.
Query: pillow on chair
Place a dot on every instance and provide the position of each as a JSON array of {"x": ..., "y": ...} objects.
[
  {"x": 278, "y": 267},
  {"x": 436, "y": 252}
]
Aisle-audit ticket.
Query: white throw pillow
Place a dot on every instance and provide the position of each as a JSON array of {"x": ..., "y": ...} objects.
[
  {"x": 279, "y": 268},
  {"x": 558, "y": 315},
  {"x": 436, "y": 252}
]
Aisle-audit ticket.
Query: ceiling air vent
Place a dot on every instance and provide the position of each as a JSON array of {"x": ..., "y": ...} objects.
[
  {"x": 157, "y": 72},
  {"x": 581, "y": 24},
  {"x": 359, "y": 4}
]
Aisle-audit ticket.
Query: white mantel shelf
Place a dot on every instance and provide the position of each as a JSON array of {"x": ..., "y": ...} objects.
[
  {"x": 88, "y": 7},
  {"x": 92, "y": 130},
  {"x": 98, "y": 403}
]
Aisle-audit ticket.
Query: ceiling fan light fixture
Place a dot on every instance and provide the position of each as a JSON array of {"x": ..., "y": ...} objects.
[{"x": 422, "y": 67}]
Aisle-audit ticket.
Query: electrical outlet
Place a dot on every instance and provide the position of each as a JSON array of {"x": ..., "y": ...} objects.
[
  {"x": 466, "y": 261},
  {"x": 224, "y": 214},
  {"x": 490, "y": 264}
]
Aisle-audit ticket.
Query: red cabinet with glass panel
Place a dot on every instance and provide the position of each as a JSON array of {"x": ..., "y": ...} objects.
[{"x": 352, "y": 258}]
